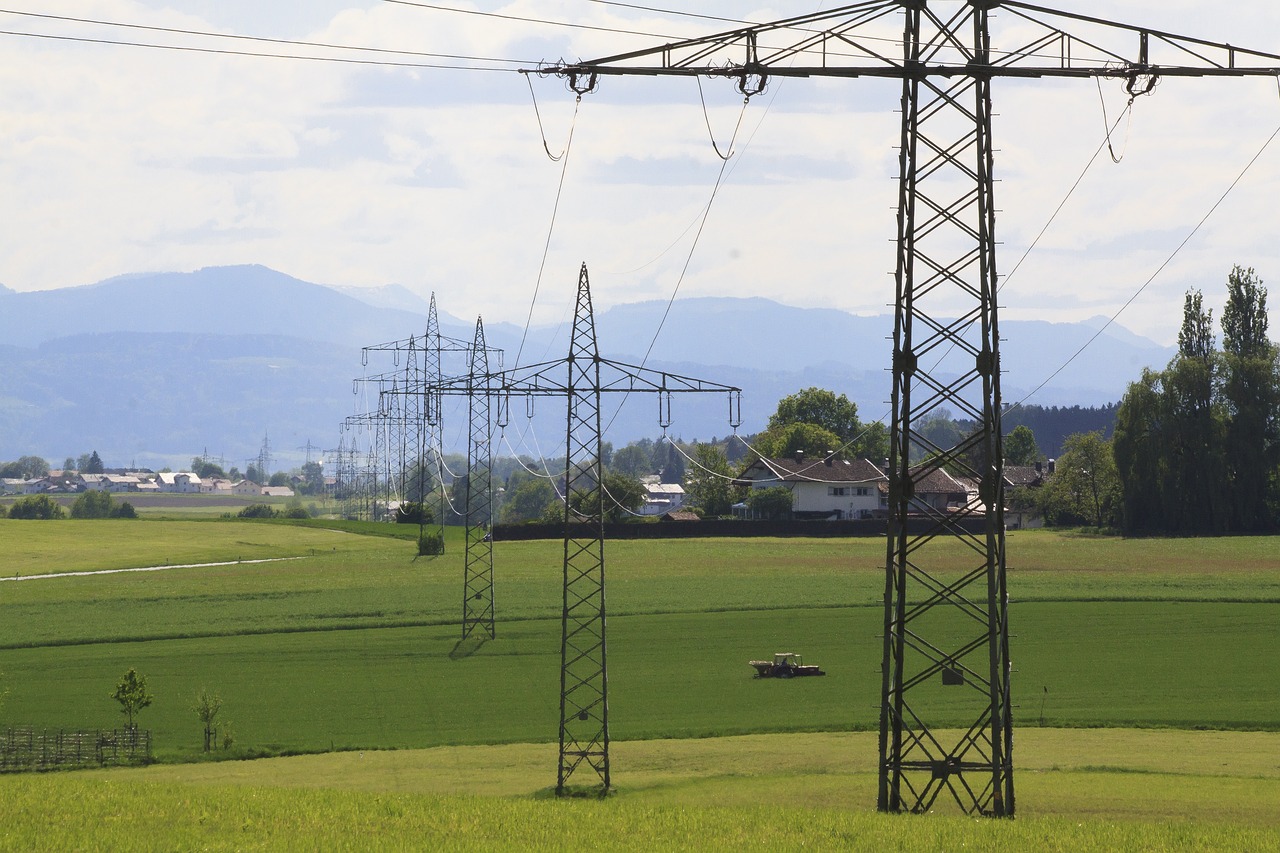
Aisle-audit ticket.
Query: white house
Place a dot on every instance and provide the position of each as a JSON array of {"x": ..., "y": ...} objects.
[
  {"x": 247, "y": 488},
  {"x": 825, "y": 487},
  {"x": 662, "y": 497},
  {"x": 178, "y": 481},
  {"x": 216, "y": 486}
]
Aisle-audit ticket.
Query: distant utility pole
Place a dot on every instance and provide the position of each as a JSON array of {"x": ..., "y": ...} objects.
[
  {"x": 264, "y": 459},
  {"x": 308, "y": 447},
  {"x": 946, "y": 635}
]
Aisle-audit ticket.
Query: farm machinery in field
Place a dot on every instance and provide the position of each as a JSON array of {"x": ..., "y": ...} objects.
[{"x": 784, "y": 665}]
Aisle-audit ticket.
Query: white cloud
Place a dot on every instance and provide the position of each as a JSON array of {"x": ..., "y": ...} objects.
[{"x": 121, "y": 159}]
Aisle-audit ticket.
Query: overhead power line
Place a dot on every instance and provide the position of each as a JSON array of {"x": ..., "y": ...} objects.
[
  {"x": 346, "y": 60},
  {"x": 671, "y": 12},
  {"x": 527, "y": 20},
  {"x": 260, "y": 39}
]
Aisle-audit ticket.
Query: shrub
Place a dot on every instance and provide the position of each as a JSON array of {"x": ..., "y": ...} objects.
[
  {"x": 36, "y": 506},
  {"x": 92, "y": 504},
  {"x": 430, "y": 544},
  {"x": 124, "y": 510},
  {"x": 294, "y": 509},
  {"x": 413, "y": 513},
  {"x": 257, "y": 511}
]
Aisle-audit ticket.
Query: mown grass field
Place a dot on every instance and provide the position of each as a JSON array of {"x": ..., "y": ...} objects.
[
  {"x": 1160, "y": 790},
  {"x": 350, "y": 644}
]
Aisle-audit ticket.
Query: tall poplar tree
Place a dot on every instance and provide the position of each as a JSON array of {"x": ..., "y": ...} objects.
[{"x": 1251, "y": 394}]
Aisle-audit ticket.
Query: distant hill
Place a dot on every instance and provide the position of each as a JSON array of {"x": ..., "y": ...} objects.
[{"x": 155, "y": 368}]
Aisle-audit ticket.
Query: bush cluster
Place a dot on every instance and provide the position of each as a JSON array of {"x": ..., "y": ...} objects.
[{"x": 92, "y": 504}]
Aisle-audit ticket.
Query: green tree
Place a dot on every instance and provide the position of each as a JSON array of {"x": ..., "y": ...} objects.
[
  {"x": 707, "y": 480},
  {"x": 1139, "y": 448},
  {"x": 132, "y": 695},
  {"x": 25, "y": 468},
  {"x": 37, "y": 507},
  {"x": 529, "y": 501},
  {"x": 789, "y": 439},
  {"x": 772, "y": 503},
  {"x": 634, "y": 459},
  {"x": 207, "y": 707},
  {"x": 836, "y": 414},
  {"x": 820, "y": 407},
  {"x": 94, "y": 503},
  {"x": 1194, "y": 440},
  {"x": 1251, "y": 396},
  {"x": 94, "y": 465},
  {"x": 623, "y": 498},
  {"x": 206, "y": 469},
  {"x": 278, "y": 479},
  {"x": 1086, "y": 486},
  {"x": 1020, "y": 446},
  {"x": 411, "y": 512},
  {"x": 313, "y": 481}
]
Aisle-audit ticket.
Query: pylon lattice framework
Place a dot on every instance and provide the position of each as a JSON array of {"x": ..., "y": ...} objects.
[
  {"x": 581, "y": 379},
  {"x": 946, "y": 640}
]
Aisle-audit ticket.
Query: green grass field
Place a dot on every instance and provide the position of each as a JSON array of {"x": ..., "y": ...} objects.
[{"x": 348, "y": 642}]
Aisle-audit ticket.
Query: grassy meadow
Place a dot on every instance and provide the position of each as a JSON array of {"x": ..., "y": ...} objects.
[{"x": 344, "y": 645}]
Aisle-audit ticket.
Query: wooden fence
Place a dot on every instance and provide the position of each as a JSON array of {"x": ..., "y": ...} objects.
[{"x": 25, "y": 749}]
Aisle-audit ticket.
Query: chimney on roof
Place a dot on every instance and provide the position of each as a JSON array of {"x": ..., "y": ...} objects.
[
  {"x": 1039, "y": 467},
  {"x": 886, "y": 465},
  {"x": 1051, "y": 466},
  {"x": 799, "y": 457},
  {"x": 830, "y": 455}
]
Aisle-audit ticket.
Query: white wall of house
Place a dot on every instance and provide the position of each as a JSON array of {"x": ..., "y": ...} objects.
[{"x": 851, "y": 500}]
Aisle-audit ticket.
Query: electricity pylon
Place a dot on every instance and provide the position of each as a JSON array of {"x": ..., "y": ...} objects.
[
  {"x": 477, "y": 586},
  {"x": 946, "y": 634},
  {"x": 584, "y": 693}
]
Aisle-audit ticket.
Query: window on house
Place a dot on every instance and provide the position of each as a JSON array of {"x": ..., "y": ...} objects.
[
  {"x": 837, "y": 491},
  {"x": 862, "y": 493}
]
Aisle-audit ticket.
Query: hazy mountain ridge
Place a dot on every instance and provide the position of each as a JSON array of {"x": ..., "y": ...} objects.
[{"x": 154, "y": 368}]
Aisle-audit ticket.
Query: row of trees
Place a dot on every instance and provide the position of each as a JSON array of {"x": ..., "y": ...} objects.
[
  {"x": 35, "y": 467},
  {"x": 1197, "y": 445},
  {"x": 1196, "y": 448}
]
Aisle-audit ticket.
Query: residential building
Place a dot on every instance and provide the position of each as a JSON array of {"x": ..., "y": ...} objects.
[{"x": 825, "y": 487}]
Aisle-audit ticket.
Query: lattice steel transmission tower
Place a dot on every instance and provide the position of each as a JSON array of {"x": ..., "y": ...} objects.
[
  {"x": 477, "y": 588},
  {"x": 581, "y": 379},
  {"x": 411, "y": 414},
  {"x": 946, "y": 634},
  {"x": 584, "y": 686}
]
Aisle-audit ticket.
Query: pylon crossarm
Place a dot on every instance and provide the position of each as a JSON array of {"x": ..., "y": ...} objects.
[
  {"x": 544, "y": 380},
  {"x": 830, "y": 44}
]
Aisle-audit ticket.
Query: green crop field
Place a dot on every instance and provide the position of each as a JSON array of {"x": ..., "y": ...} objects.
[{"x": 343, "y": 641}]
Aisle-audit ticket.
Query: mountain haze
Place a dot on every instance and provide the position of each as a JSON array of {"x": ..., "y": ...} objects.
[{"x": 155, "y": 368}]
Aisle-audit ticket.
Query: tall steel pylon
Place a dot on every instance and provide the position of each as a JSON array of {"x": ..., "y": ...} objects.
[
  {"x": 429, "y": 431},
  {"x": 945, "y": 710},
  {"x": 477, "y": 587},
  {"x": 418, "y": 416},
  {"x": 584, "y": 706},
  {"x": 584, "y": 684}
]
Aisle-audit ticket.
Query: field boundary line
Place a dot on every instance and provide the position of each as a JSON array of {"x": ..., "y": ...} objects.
[{"x": 94, "y": 572}]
